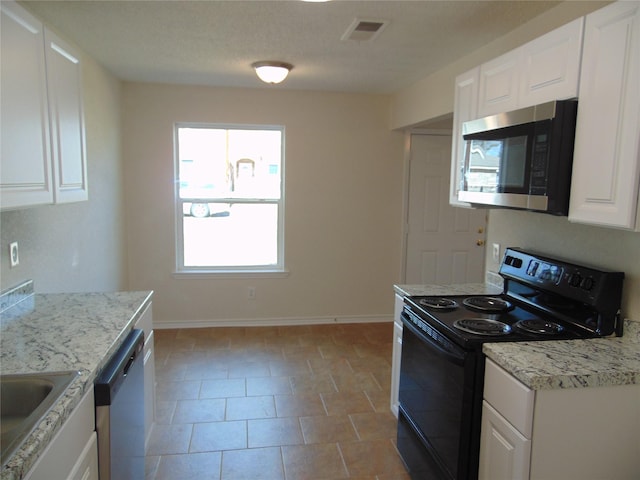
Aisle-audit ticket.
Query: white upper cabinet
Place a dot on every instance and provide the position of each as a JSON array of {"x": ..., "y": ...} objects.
[
  {"x": 43, "y": 140},
  {"x": 466, "y": 108},
  {"x": 498, "y": 84},
  {"x": 551, "y": 66},
  {"x": 606, "y": 164},
  {"x": 540, "y": 71},
  {"x": 25, "y": 174},
  {"x": 64, "y": 81}
]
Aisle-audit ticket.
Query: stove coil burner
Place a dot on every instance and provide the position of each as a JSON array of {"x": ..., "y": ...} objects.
[
  {"x": 438, "y": 303},
  {"x": 539, "y": 327},
  {"x": 487, "y": 304},
  {"x": 482, "y": 326}
]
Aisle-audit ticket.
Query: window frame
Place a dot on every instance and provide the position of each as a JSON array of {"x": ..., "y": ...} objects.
[{"x": 228, "y": 270}]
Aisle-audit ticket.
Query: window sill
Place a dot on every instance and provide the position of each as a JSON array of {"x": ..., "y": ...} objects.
[{"x": 217, "y": 274}]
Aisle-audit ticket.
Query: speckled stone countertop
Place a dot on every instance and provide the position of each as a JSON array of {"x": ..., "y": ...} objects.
[
  {"x": 456, "y": 289},
  {"x": 596, "y": 362},
  {"x": 555, "y": 364},
  {"x": 60, "y": 332}
]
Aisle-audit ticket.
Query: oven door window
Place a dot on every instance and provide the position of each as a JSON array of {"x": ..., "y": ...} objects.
[
  {"x": 499, "y": 161},
  {"x": 436, "y": 393}
]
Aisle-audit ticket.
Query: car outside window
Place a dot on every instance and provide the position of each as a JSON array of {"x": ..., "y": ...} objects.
[{"x": 229, "y": 198}]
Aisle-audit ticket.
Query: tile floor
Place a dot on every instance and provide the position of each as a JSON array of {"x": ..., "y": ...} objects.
[{"x": 274, "y": 403}]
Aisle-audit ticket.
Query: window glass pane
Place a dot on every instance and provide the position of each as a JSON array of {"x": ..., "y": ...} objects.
[
  {"x": 229, "y": 197},
  {"x": 235, "y": 234},
  {"x": 229, "y": 163},
  {"x": 204, "y": 171}
]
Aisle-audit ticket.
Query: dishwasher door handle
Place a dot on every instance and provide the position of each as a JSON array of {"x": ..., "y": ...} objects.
[{"x": 113, "y": 374}]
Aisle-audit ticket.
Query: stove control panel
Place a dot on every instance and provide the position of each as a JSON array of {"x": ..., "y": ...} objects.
[{"x": 584, "y": 284}]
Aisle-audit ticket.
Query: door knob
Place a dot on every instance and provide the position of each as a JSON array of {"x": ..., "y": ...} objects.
[{"x": 480, "y": 243}]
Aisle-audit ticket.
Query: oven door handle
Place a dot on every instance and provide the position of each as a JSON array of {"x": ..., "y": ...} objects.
[{"x": 451, "y": 355}]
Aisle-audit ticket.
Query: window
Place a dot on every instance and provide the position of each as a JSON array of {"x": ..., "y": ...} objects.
[{"x": 229, "y": 196}]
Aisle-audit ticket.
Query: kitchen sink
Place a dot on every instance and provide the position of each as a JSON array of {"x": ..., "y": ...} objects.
[{"x": 24, "y": 400}]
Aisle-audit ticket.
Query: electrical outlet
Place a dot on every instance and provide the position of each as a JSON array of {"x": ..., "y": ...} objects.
[
  {"x": 496, "y": 252},
  {"x": 13, "y": 254},
  {"x": 251, "y": 293}
]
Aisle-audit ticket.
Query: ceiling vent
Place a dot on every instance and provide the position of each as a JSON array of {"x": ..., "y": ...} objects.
[{"x": 362, "y": 30}]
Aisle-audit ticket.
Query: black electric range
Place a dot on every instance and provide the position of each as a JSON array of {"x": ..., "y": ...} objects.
[
  {"x": 542, "y": 299},
  {"x": 442, "y": 365}
]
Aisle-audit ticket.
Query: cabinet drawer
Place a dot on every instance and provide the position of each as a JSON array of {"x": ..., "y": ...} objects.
[{"x": 511, "y": 398}]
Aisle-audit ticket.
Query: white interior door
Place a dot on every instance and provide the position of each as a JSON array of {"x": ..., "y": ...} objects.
[{"x": 445, "y": 244}]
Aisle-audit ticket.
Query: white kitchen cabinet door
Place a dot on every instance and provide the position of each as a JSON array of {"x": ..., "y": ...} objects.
[
  {"x": 573, "y": 438},
  {"x": 73, "y": 452},
  {"x": 551, "y": 66},
  {"x": 86, "y": 468},
  {"x": 397, "y": 354},
  {"x": 145, "y": 323},
  {"x": 149, "y": 388},
  {"x": 504, "y": 452},
  {"x": 606, "y": 164},
  {"x": 498, "y": 84},
  {"x": 25, "y": 173},
  {"x": 465, "y": 108},
  {"x": 64, "y": 80}
]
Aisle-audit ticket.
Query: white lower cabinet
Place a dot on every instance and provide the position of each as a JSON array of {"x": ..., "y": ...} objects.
[
  {"x": 73, "y": 452},
  {"x": 505, "y": 451},
  {"x": 590, "y": 433},
  {"x": 87, "y": 466},
  {"x": 145, "y": 322},
  {"x": 397, "y": 354}
]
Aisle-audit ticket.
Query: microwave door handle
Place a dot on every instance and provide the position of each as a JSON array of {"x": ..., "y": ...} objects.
[{"x": 451, "y": 356}]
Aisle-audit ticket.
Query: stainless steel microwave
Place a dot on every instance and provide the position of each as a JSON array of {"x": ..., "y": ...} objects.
[{"x": 520, "y": 159}]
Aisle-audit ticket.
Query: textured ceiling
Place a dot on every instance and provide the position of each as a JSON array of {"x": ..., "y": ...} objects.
[{"x": 215, "y": 42}]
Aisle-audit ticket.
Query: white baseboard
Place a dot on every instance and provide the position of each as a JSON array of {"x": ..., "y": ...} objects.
[{"x": 272, "y": 322}]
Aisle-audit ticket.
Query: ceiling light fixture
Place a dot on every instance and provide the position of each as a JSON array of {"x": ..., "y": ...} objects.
[{"x": 272, "y": 71}]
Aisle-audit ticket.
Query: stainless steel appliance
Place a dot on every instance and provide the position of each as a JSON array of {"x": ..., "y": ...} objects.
[
  {"x": 442, "y": 365},
  {"x": 520, "y": 159},
  {"x": 119, "y": 397}
]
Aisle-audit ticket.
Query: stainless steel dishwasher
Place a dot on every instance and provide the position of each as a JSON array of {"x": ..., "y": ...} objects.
[{"x": 119, "y": 396}]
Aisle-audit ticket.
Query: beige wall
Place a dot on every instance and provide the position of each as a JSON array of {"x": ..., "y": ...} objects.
[
  {"x": 81, "y": 246},
  {"x": 343, "y": 204},
  {"x": 432, "y": 96}
]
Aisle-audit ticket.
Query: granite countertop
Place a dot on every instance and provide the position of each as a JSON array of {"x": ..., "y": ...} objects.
[
  {"x": 555, "y": 364},
  {"x": 598, "y": 362},
  {"x": 453, "y": 289},
  {"x": 60, "y": 332}
]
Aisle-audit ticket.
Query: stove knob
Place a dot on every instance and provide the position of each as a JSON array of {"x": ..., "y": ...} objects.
[
  {"x": 587, "y": 284},
  {"x": 575, "y": 279}
]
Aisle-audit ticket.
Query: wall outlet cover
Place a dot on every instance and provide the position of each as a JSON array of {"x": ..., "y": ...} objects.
[{"x": 14, "y": 254}]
